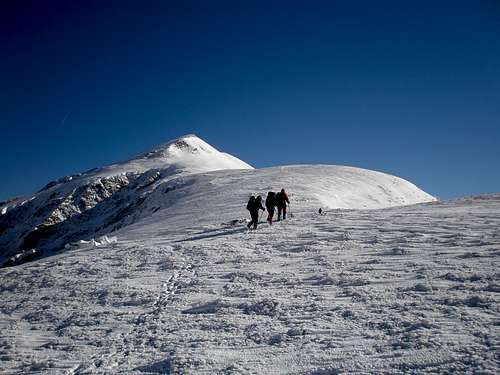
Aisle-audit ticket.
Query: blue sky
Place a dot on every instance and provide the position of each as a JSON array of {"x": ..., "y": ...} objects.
[{"x": 411, "y": 88}]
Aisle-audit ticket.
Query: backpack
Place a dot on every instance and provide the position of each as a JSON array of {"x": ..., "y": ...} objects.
[
  {"x": 251, "y": 203},
  {"x": 271, "y": 199},
  {"x": 279, "y": 199}
]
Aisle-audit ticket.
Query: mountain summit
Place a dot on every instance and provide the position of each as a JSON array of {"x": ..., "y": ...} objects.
[{"x": 187, "y": 154}]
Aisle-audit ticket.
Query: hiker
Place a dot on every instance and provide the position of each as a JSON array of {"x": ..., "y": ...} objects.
[
  {"x": 254, "y": 205},
  {"x": 270, "y": 204},
  {"x": 281, "y": 201}
]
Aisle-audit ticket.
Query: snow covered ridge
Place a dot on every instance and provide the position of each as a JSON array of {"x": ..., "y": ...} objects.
[
  {"x": 38, "y": 221},
  {"x": 185, "y": 177}
]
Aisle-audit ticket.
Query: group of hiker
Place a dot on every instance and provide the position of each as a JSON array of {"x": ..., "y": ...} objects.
[{"x": 273, "y": 200}]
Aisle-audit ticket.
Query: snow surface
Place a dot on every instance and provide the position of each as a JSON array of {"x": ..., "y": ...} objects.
[
  {"x": 409, "y": 289},
  {"x": 153, "y": 271}
]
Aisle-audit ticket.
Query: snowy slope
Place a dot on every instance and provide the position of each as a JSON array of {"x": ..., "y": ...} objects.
[
  {"x": 411, "y": 289},
  {"x": 183, "y": 172},
  {"x": 80, "y": 205},
  {"x": 382, "y": 283},
  {"x": 221, "y": 196}
]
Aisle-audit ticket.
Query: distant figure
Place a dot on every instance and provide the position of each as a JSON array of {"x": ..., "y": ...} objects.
[
  {"x": 254, "y": 205},
  {"x": 270, "y": 204},
  {"x": 281, "y": 201},
  {"x": 320, "y": 211}
]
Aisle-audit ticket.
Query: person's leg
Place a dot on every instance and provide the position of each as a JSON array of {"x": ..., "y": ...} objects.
[
  {"x": 255, "y": 219},
  {"x": 279, "y": 214},
  {"x": 284, "y": 213}
]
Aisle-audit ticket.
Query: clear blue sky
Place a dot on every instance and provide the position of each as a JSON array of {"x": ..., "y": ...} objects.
[{"x": 411, "y": 88}]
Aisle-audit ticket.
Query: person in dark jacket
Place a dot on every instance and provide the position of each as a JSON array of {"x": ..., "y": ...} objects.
[
  {"x": 251, "y": 203},
  {"x": 254, "y": 205},
  {"x": 270, "y": 204},
  {"x": 281, "y": 201}
]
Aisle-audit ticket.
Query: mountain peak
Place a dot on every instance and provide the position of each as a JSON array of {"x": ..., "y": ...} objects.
[
  {"x": 190, "y": 144},
  {"x": 187, "y": 154}
]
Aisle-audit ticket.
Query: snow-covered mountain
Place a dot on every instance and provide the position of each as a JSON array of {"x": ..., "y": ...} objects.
[
  {"x": 387, "y": 280},
  {"x": 66, "y": 209},
  {"x": 176, "y": 179}
]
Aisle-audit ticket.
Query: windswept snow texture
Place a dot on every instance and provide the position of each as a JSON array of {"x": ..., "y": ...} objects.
[{"x": 411, "y": 289}]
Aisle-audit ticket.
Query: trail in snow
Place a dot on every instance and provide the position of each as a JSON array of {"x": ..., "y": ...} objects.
[{"x": 387, "y": 291}]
